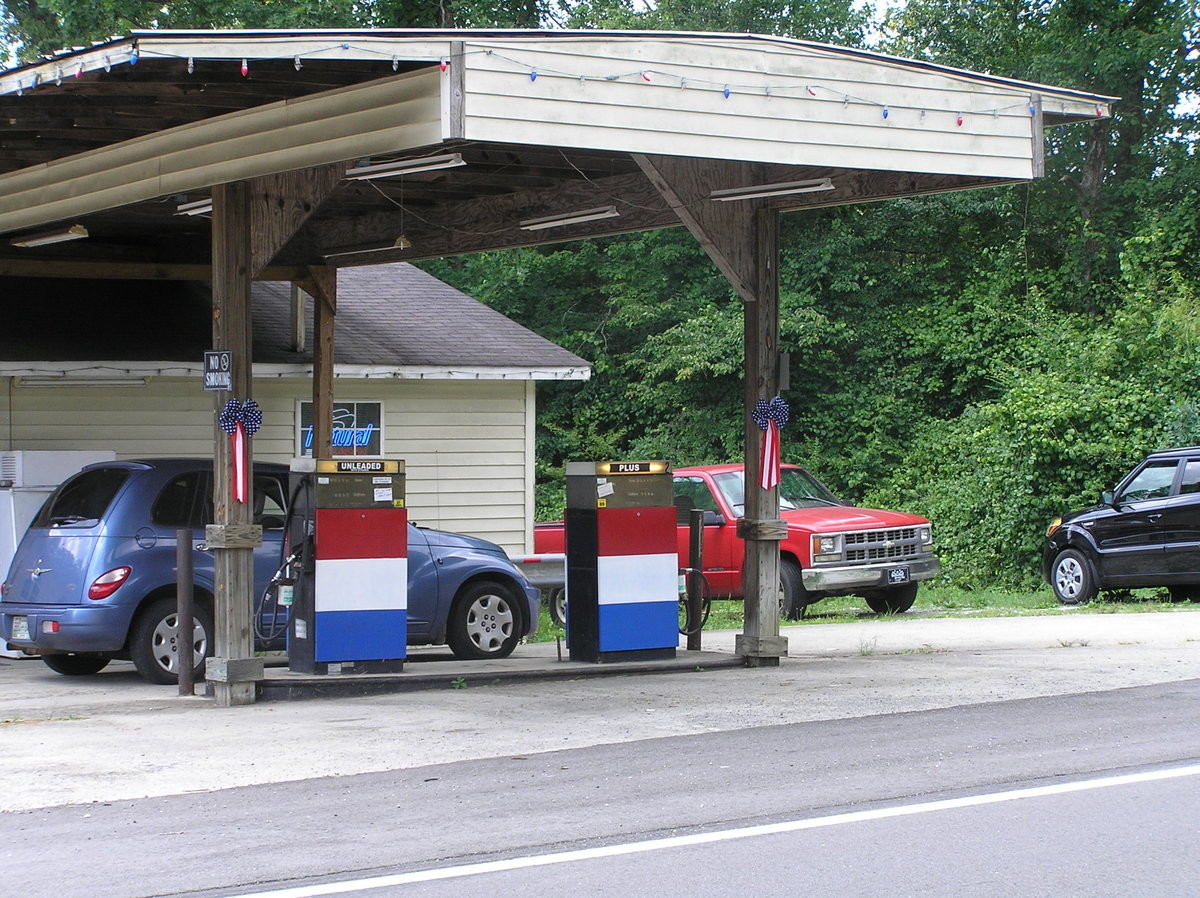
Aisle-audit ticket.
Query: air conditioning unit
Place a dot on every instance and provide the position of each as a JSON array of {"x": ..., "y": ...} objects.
[{"x": 25, "y": 468}]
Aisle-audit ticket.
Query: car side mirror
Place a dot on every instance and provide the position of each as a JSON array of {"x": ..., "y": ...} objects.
[
  {"x": 1107, "y": 498},
  {"x": 713, "y": 519}
]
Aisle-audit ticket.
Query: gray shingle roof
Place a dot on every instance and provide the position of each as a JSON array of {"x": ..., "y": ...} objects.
[{"x": 388, "y": 315}]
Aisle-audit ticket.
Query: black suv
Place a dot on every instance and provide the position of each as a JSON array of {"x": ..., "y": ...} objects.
[{"x": 1146, "y": 532}]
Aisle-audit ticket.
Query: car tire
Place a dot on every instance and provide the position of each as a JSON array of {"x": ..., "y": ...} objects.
[
  {"x": 1072, "y": 579},
  {"x": 1188, "y": 593},
  {"x": 557, "y": 601},
  {"x": 892, "y": 601},
  {"x": 484, "y": 623},
  {"x": 154, "y": 641},
  {"x": 794, "y": 602},
  {"x": 79, "y": 664}
]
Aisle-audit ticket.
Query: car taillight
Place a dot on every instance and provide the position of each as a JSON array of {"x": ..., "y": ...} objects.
[{"x": 108, "y": 583}]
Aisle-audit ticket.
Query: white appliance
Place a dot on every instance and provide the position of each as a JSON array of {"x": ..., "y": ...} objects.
[{"x": 27, "y": 477}]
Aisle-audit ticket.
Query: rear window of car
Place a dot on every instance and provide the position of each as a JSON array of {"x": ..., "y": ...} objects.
[{"x": 82, "y": 499}]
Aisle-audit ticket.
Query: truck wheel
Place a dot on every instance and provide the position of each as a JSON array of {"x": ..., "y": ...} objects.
[
  {"x": 80, "y": 664},
  {"x": 1071, "y": 578},
  {"x": 483, "y": 623},
  {"x": 795, "y": 598},
  {"x": 155, "y": 646},
  {"x": 892, "y": 601},
  {"x": 558, "y": 606}
]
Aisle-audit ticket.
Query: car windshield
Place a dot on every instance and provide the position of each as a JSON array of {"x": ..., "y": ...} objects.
[
  {"x": 797, "y": 489},
  {"x": 83, "y": 498}
]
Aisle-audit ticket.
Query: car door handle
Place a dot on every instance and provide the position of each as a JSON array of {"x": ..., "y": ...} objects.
[
  {"x": 201, "y": 547},
  {"x": 1153, "y": 517}
]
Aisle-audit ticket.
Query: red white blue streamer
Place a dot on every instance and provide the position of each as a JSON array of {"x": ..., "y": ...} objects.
[
  {"x": 240, "y": 420},
  {"x": 770, "y": 416}
]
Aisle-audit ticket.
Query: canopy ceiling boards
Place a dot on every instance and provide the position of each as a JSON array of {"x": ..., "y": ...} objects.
[{"x": 563, "y": 129}]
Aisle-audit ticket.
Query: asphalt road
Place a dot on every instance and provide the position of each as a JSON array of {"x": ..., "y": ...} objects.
[{"x": 447, "y": 779}]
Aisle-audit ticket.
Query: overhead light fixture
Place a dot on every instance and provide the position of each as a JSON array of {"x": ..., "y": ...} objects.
[
  {"x": 816, "y": 185},
  {"x": 74, "y": 232},
  {"x": 569, "y": 218},
  {"x": 195, "y": 207},
  {"x": 403, "y": 167},
  {"x": 401, "y": 242},
  {"x": 82, "y": 380}
]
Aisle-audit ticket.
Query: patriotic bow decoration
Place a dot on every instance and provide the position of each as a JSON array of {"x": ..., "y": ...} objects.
[
  {"x": 770, "y": 416},
  {"x": 240, "y": 420}
]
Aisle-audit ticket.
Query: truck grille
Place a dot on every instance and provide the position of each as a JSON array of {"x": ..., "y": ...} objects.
[{"x": 865, "y": 546}]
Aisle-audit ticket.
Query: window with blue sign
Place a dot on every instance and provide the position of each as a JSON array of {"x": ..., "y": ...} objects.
[{"x": 357, "y": 429}]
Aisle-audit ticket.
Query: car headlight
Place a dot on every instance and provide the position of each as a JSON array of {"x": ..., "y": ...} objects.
[
  {"x": 926, "y": 533},
  {"x": 826, "y": 547},
  {"x": 1054, "y": 525}
]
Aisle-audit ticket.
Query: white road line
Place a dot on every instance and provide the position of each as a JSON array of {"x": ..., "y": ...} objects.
[{"x": 746, "y": 832}]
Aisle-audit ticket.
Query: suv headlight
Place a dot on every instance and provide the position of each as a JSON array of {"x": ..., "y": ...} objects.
[
  {"x": 826, "y": 548},
  {"x": 1054, "y": 525},
  {"x": 926, "y": 534}
]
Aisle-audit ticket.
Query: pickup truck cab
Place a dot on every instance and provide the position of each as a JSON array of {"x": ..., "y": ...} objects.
[{"x": 831, "y": 548}]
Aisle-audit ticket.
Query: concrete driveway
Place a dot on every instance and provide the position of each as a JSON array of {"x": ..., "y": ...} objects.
[{"x": 109, "y": 737}]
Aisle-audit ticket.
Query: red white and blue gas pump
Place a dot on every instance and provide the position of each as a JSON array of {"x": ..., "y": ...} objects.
[
  {"x": 350, "y": 601},
  {"x": 622, "y": 562}
]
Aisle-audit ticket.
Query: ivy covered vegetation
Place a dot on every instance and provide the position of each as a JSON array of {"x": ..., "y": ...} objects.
[{"x": 988, "y": 359}]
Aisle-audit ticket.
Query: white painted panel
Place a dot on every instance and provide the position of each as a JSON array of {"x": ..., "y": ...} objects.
[
  {"x": 802, "y": 106},
  {"x": 627, "y": 579},
  {"x": 361, "y": 584}
]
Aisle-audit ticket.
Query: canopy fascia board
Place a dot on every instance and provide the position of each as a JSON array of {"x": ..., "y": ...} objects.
[
  {"x": 387, "y": 115},
  {"x": 80, "y": 372}
]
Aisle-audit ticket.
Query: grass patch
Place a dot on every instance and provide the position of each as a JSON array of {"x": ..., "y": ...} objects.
[{"x": 932, "y": 602}]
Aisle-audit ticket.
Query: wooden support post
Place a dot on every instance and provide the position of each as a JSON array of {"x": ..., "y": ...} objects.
[
  {"x": 742, "y": 238},
  {"x": 760, "y": 642},
  {"x": 322, "y": 286},
  {"x": 232, "y": 670}
]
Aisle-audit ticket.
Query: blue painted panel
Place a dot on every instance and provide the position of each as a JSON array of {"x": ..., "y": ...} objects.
[
  {"x": 360, "y": 635},
  {"x": 639, "y": 625}
]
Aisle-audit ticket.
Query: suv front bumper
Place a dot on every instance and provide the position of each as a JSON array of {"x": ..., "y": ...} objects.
[{"x": 870, "y": 576}]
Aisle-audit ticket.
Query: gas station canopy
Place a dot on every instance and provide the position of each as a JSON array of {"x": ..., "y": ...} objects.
[{"x": 431, "y": 143}]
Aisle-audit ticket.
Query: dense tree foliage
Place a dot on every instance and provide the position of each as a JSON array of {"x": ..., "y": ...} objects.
[{"x": 988, "y": 358}]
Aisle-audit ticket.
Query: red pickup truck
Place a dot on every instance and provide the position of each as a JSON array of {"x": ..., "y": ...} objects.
[{"x": 831, "y": 549}]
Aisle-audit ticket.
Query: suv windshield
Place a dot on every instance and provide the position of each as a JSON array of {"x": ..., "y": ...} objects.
[
  {"x": 797, "y": 489},
  {"x": 84, "y": 497}
]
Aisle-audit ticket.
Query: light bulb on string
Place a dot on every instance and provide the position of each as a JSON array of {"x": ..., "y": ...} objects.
[
  {"x": 191, "y": 65},
  {"x": 726, "y": 91},
  {"x": 444, "y": 64},
  {"x": 297, "y": 63},
  {"x": 245, "y": 68}
]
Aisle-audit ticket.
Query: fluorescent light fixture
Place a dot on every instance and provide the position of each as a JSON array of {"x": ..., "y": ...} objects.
[
  {"x": 81, "y": 380},
  {"x": 569, "y": 218},
  {"x": 404, "y": 167},
  {"x": 816, "y": 185},
  {"x": 74, "y": 232},
  {"x": 401, "y": 242},
  {"x": 195, "y": 207}
]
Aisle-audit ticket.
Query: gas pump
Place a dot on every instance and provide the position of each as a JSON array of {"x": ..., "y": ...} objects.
[
  {"x": 622, "y": 562},
  {"x": 348, "y": 538}
]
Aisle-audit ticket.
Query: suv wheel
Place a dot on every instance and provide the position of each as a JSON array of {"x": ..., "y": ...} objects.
[
  {"x": 155, "y": 646},
  {"x": 79, "y": 664},
  {"x": 1071, "y": 578},
  {"x": 483, "y": 623}
]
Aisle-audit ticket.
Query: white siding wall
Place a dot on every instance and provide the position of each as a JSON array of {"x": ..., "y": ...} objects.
[
  {"x": 465, "y": 444},
  {"x": 787, "y": 104}
]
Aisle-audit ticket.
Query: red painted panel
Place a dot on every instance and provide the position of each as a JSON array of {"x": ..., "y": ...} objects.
[
  {"x": 635, "y": 531},
  {"x": 362, "y": 533}
]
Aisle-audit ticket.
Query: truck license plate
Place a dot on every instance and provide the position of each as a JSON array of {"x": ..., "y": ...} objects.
[
  {"x": 897, "y": 575},
  {"x": 20, "y": 627}
]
